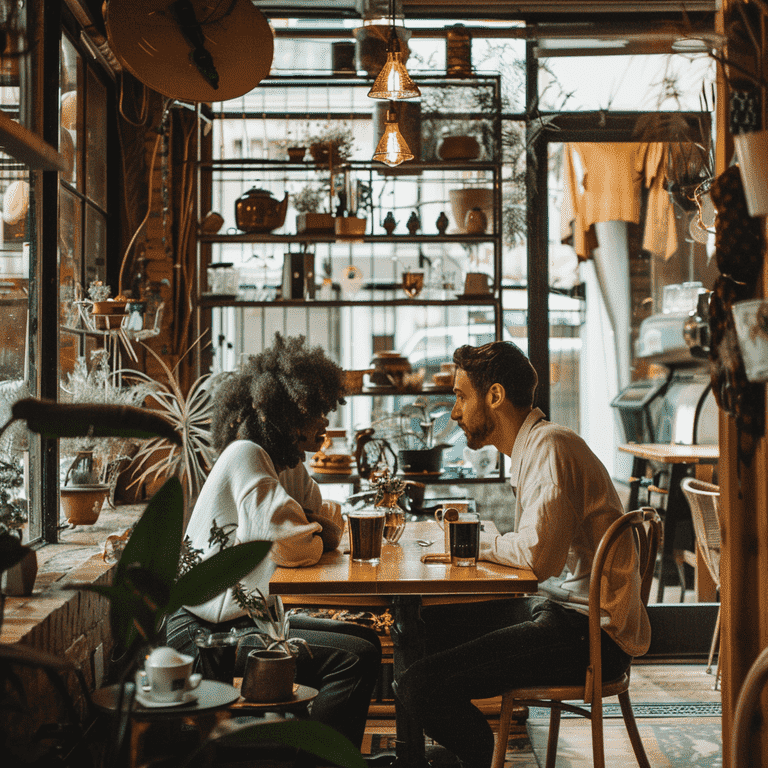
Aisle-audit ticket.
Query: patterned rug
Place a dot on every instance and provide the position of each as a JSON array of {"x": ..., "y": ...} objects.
[{"x": 692, "y": 742}]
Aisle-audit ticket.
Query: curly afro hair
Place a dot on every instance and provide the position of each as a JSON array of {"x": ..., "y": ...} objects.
[{"x": 274, "y": 396}]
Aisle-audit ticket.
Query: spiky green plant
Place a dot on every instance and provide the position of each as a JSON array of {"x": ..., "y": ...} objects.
[{"x": 190, "y": 414}]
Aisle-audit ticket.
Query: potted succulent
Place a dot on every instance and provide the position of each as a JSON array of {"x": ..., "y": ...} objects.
[
  {"x": 106, "y": 311},
  {"x": 146, "y": 587}
]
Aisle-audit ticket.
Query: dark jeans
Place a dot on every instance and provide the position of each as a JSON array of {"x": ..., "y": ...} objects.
[
  {"x": 479, "y": 650},
  {"x": 344, "y": 666}
]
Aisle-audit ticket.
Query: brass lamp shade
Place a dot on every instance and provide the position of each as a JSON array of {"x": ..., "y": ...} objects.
[
  {"x": 393, "y": 82},
  {"x": 392, "y": 148}
]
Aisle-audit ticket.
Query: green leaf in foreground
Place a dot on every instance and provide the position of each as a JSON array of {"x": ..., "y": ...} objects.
[
  {"x": 217, "y": 573},
  {"x": 52, "y": 419},
  {"x": 313, "y": 737}
]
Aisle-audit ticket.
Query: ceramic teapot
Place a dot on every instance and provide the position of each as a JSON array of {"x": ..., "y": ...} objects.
[{"x": 256, "y": 211}]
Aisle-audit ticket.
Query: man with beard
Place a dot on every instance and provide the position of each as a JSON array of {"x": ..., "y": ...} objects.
[{"x": 564, "y": 503}]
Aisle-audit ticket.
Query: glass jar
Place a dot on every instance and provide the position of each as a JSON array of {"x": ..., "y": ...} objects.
[
  {"x": 394, "y": 520},
  {"x": 222, "y": 279}
]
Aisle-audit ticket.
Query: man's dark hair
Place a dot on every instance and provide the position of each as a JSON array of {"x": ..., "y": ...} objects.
[
  {"x": 500, "y": 362},
  {"x": 274, "y": 396}
]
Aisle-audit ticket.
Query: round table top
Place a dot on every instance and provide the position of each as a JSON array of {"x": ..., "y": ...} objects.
[{"x": 209, "y": 696}]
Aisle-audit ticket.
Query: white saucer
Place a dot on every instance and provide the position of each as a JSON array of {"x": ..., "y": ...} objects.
[{"x": 147, "y": 701}]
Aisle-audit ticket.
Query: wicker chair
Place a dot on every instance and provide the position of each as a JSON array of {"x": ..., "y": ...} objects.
[
  {"x": 646, "y": 526},
  {"x": 704, "y": 501}
]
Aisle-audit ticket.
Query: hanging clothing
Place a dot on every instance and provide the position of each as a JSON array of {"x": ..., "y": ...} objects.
[
  {"x": 660, "y": 233},
  {"x": 602, "y": 182}
]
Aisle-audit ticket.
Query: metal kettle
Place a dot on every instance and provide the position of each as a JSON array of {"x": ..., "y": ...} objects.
[{"x": 256, "y": 211}]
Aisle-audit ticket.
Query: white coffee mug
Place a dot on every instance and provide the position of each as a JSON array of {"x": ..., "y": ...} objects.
[{"x": 167, "y": 675}]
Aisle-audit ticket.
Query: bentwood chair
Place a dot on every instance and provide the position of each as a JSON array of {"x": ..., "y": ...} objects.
[
  {"x": 748, "y": 714},
  {"x": 645, "y": 525},
  {"x": 704, "y": 501}
]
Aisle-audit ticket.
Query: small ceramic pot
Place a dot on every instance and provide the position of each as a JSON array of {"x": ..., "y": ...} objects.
[{"x": 268, "y": 676}]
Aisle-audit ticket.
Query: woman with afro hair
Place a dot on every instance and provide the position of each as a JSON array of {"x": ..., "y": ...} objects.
[{"x": 266, "y": 417}]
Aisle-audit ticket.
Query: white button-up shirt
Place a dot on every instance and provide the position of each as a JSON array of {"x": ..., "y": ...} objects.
[{"x": 565, "y": 502}]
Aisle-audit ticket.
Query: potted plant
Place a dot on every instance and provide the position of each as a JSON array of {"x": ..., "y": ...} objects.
[
  {"x": 145, "y": 587},
  {"x": 19, "y": 578},
  {"x": 308, "y": 203},
  {"x": 106, "y": 311},
  {"x": 190, "y": 413},
  {"x": 412, "y": 430},
  {"x": 270, "y": 676},
  {"x": 332, "y": 145},
  {"x": 91, "y": 466}
]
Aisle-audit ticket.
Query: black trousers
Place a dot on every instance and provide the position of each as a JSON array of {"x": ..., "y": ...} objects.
[
  {"x": 344, "y": 666},
  {"x": 479, "y": 650}
]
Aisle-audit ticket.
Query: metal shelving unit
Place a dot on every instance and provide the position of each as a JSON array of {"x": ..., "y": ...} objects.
[{"x": 237, "y": 322}]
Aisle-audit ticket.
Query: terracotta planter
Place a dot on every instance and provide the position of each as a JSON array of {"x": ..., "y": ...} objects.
[
  {"x": 108, "y": 314},
  {"x": 81, "y": 504}
]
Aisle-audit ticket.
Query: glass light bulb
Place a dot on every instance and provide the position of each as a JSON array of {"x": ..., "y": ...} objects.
[
  {"x": 392, "y": 148},
  {"x": 393, "y": 82}
]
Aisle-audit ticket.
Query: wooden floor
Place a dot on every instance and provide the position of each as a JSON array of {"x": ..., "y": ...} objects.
[{"x": 669, "y": 685}]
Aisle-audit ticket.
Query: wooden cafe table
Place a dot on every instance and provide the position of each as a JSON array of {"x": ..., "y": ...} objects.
[
  {"x": 405, "y": 582},
  {"x": 678, "y": 458}
]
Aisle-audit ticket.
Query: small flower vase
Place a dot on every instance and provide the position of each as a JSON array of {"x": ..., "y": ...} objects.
[{"x": 394, "y": 521}]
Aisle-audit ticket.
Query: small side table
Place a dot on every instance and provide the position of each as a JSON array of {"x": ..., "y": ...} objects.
[{"x": 211, "y": 697}]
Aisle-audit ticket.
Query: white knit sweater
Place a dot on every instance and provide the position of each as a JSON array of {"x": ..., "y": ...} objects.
[{"x": 243, "y": 488}]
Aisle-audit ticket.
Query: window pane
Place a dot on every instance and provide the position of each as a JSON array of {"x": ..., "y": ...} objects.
[
  {"x": 652, "y": 83},
  {"x": 71, "y": 122},
  {"x": 70, "y": 278},
  {"x": 96, "y": 141}
]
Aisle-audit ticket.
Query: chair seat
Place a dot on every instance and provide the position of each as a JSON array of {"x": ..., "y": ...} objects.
[{"x": 567, "y": 692}]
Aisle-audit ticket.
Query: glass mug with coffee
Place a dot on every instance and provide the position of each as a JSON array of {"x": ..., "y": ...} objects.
[
  {"x": 366, "y": 534},
  {"x": 167, "y": 676},
  {"x": 464, "y": 539},
  {"x": 451, "y": 511}
]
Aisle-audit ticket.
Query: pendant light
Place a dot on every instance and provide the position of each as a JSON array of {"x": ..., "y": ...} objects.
[
  {"x": 393, "y": 82},
  {"x": 392, "y": 148}
]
